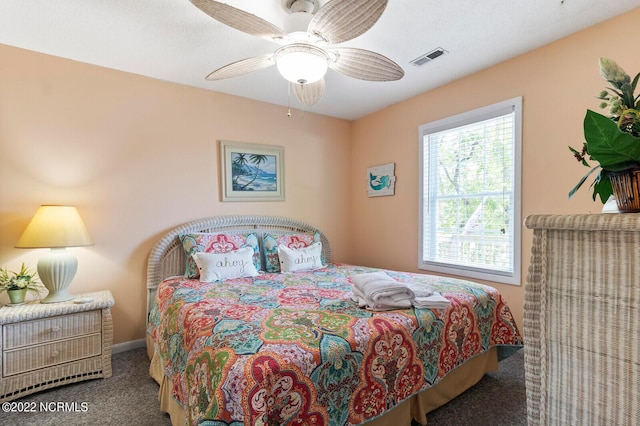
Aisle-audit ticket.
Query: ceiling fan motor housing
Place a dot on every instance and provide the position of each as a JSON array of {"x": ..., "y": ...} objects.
[
  {"x": 297, "y": 22},
  {"x": 307, "y": 6}
]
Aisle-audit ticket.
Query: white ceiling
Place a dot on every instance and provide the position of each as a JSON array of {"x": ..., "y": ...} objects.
[{"x": 173, "y": 40}]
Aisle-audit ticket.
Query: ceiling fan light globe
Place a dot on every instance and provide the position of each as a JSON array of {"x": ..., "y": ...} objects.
[{"x": 302, "y": 64}]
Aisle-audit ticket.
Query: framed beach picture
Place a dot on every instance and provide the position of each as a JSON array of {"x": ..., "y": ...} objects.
[{"x": 251, "y": 172}]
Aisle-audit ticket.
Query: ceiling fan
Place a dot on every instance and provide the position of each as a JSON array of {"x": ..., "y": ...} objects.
[{"x": 306, "y": 40}]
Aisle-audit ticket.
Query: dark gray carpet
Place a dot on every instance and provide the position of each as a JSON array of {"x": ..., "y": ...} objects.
[
  {"x": 127, "y": 398},
  {"x": 498, "y": 399},
  {"x": 130, "y": 398}
]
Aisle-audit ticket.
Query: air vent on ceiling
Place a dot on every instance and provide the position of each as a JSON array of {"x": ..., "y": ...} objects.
[{"x": 428, "y": 57}]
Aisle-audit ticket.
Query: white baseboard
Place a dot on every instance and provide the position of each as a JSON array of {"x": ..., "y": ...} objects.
[{"x": 127, "y": 346}]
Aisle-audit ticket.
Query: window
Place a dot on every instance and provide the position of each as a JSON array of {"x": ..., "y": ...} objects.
[{"x": 470, "y": 193}]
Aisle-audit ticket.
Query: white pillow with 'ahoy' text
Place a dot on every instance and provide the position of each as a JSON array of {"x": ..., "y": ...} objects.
[
  {"x": 222, "y": 266},
  {"x": 303, "y": 259}
]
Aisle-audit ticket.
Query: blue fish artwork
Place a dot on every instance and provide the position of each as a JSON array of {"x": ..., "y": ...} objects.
[{"x": 379, "y": 182}]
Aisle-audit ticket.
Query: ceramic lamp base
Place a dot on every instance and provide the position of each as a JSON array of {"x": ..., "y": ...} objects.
[
  {"x": 57, "y": 296},
  {"x": 56, "y": 271}
]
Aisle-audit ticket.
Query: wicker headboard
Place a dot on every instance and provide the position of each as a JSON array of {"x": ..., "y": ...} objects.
[{"x": 167, "y": 257}]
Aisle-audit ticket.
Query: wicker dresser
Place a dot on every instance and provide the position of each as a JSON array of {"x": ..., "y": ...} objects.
[
  {"x": 582, "y": 320},
  {"x": 48, "y": 345}
]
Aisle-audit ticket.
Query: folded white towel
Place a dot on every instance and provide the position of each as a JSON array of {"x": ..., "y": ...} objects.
[
  {"x": 383, "y": 305},
  {"x": 435, "y": 301},
  {"x": 378, "y": 285},
  {"x": 420, "y": 289},
  {"x": 378, "y": 291}
]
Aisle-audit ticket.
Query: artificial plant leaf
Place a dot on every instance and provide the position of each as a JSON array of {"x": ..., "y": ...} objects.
[
  {"x": 579, "y": 156},
  {"x": 579, "y": 184},
  {"x": 607, "y": 144},
  {"x": 622, "y": 166},
  {"x": 635, "y": 82},
  {"x": 602, "y": 187},
  {"x": 615, "y": 91}
]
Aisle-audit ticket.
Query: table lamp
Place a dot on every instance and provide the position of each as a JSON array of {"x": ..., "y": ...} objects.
[{"x": 56, "y": 227}]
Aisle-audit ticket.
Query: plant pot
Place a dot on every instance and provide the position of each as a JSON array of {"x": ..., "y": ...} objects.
[
  {"x": 626, "y": 188},
  {"x": 17, "y": 296}
]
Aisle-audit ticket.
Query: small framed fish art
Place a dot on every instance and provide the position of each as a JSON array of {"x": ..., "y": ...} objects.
[{"x": 381, "y": 180}]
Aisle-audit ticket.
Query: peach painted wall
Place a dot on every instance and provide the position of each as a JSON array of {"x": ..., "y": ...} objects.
[
  {"x": 138, "y": 156},
  {"x": 558, "y": 82}
]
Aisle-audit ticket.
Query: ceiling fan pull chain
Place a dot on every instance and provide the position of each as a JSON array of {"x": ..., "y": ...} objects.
[{"x": 289, "y": 100}]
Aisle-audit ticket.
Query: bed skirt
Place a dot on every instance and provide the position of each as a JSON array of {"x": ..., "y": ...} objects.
[{"x": 416, "y": 408}]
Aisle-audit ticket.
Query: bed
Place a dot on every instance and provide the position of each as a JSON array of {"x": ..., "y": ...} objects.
[{"x": 293, "y": 347}]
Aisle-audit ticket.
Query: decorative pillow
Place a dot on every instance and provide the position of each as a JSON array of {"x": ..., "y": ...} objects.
[
  {"x": 270, "y": 243},
  {"x": 216, "y": 243},
  {"x": 303, "y": 259},
  {"x": 222, "y": 266}
]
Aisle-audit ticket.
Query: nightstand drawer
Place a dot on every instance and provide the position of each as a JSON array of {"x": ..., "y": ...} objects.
[
  {"x": 34, "y": 357},
  {"x": 49, "y": 329}
]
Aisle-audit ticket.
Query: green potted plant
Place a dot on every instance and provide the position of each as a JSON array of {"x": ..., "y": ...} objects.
[
  {"x": 613, "y": 141},
  {"x": 17, "y": 284}
]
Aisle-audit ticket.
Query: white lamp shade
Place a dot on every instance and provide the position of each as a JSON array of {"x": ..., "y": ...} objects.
[
  {"x": 302, "y": 63},
  {"x": 55, "y": 226}
]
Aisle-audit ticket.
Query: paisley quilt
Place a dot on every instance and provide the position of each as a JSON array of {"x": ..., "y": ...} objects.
[{"x": 293, "y": 348}]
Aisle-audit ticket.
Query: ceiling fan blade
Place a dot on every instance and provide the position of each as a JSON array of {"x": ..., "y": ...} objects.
[
  {"x": 242, "y": 67},
  {"x": 239, "y": 19},
  {"x": 364, "y": 64},
  {"x": 308, "y": 94},
  {"x": 342, "y": 20}
]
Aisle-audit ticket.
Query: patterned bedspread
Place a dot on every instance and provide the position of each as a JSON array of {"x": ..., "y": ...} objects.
[{"x": 282, "y": 349}]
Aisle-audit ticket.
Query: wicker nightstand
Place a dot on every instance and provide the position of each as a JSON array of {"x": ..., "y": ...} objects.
[{"x": 48, "y": 345}]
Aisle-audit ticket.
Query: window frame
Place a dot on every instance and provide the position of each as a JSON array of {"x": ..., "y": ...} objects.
[{"x": 459, "y": 120}]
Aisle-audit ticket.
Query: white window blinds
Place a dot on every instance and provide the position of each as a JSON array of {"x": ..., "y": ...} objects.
[{"x": 470, "y": 204}]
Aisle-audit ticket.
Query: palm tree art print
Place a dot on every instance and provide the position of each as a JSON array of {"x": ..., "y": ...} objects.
[{"x": 253, "y": 172}]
